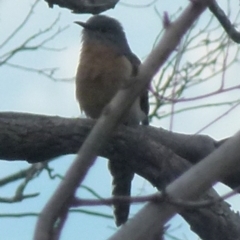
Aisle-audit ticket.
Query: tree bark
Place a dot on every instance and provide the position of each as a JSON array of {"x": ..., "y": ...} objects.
[{"x": 155, "y": 154}]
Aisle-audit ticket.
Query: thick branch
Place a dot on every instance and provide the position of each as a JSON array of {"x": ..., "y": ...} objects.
[
  {"x": 37, "y": 138},
  {"x": 84, "y": 6}
]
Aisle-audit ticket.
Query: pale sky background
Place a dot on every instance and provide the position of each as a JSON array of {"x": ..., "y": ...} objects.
[{"x": 21, "y": 91}]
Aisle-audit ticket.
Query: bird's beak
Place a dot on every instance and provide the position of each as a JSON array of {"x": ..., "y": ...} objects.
[{"x": 83, "y": 24}]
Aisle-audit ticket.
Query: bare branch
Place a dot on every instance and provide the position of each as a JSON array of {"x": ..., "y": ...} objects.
[
  {"x": 41, "y": 45},
  {"x": 33, "y": 214},
  {"x": 218, "y": 54},
  {"x": 46, "y": 72},
  {"x": 27, "y": 175},
  {"x": 225, "y": 22},
  {"x": 155, "y": 198},
  {"x": 84, "y": 6},
  {"x": 16, "y": 176},
  {"x": 22, "y": 24},
  {"x": 19, "y": 196},
  {"x": 138, "y": 5}
]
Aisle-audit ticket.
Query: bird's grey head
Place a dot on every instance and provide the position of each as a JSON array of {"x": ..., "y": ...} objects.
[{"x": 104, "y": 29}]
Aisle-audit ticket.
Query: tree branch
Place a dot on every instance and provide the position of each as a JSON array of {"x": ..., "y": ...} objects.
[
  {"x": 153, "y": 153},
  {"x": 224, "y": 21},
  {"x": 37, "y": 138},
  {"x": 191, "y": 185},
  {"x": 84, "y": 6}
]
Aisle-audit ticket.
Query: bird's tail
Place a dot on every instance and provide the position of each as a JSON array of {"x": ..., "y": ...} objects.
[{"x": 121, "y": 186}]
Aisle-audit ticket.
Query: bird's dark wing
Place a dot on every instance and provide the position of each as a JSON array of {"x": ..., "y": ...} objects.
[{"x": 144, "y": 103}]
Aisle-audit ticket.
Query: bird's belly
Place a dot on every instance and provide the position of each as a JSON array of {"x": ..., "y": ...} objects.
[{"x": 98, "y": 82}]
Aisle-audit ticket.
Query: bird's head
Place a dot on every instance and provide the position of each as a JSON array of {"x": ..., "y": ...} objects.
[{"x": 104, "y": 29}]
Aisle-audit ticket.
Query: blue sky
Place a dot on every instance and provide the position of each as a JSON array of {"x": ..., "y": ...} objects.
[{"x": 22, "y": 91}]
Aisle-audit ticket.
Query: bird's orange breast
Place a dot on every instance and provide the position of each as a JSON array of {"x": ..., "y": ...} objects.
[{"x": 101, "y": 72}]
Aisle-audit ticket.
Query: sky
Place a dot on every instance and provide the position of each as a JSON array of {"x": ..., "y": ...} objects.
[{"x": 24, "y": 91}]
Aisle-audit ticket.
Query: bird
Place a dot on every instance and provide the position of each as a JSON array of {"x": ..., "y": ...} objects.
[{"x": 107, "y": 64}]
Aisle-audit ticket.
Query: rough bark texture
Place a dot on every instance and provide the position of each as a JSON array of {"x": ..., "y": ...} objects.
[
  {"x": 155, "y": 154},
  {"x": 84, "y": 6},
  {"x": 37, "y": 138}
]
